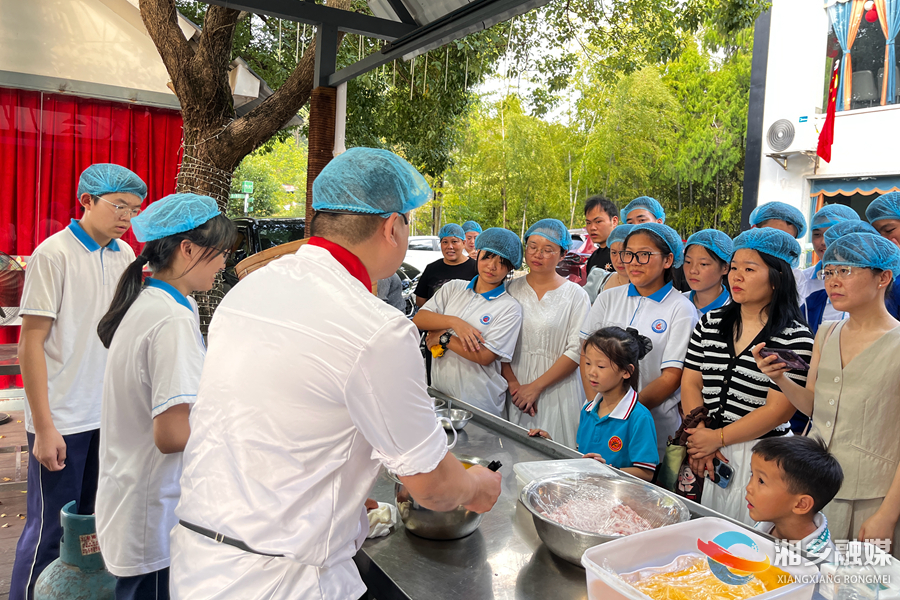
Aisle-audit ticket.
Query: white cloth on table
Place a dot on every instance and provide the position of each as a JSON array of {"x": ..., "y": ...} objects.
[{"x": 550, "y": 330}]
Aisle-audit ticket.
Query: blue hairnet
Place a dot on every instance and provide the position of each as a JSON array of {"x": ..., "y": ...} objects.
[
  {"x": 647, "y": 203},
  {"x": 552, "y": 229},
  {"x": 644, "y": 203},
  {"x": 369, "y": 181},
  {"x": 452, "y": 230},
  {"x": 668, "y": 235},
  {"x": 864, "y": 250},
  {"x": 886, "y": 206},
  {"x": 176, "y": 213},
  {"x": 773, "y": 242},
  {"x": 107, "y": 178},
  {"x": 618, "y": 234},
  {"x": 501, "y": 242},
  {"x": 831, "y": 215},
  {"x": 844, "y": 227},
  {"x": 713, "y": 240},
  {"x": 471, "y": 226},
  {"x": 779, "y": 210}
]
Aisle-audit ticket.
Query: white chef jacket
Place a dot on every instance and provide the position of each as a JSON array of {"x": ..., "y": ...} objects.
[
  {"x": 498, "y": 317},
  {"x": 668, "y": 318},
  {"x": 155, "y": 361},
  {"x": 310, "y": 384},
  {"x": 72, "y": 280}
]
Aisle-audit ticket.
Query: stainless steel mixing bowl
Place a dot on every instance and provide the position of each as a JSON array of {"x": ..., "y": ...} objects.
[
  {"x": 439, "y": 404},
  {"x": 458, "y": 417},
  {"x": 654, "y": 504},
  {"x": 433, "y": 525}
]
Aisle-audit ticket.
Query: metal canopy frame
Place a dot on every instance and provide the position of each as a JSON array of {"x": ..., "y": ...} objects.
[{"x": 404, "y": 37}]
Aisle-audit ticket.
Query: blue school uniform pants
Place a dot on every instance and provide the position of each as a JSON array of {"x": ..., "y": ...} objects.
[{"x": 48, "y": 492}]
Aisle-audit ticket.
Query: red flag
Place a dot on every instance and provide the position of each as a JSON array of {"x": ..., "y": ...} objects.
[{"x": 826, "y": 136}]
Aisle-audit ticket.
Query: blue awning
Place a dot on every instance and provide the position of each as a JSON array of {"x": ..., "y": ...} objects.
[{"x": 848, "y": 186}]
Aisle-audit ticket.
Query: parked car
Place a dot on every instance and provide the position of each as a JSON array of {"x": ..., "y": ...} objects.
[
  {"x": 423, "y": 250},
  {"x": 573, "y": 266},
  {"x": 256, "y": 235}
]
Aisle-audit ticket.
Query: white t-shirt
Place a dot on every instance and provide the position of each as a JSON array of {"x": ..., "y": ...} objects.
[
  {"x": 310, "y": 385},
  {"x": 155, "y": 361},
  {"x": 667, "y": 317},
  {"x": 72, "y": 280},
  {"x": 498, "y": 317}
]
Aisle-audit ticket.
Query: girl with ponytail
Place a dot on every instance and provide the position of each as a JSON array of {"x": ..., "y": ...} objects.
[
  {"x": 156, "y": 354},
  {"x": 615, "y": 428}
]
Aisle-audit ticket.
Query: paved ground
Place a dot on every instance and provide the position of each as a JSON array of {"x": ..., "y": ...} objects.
[{"x": 13, "y": 469}]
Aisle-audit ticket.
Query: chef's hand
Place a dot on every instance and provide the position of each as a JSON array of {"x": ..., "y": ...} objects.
[
  {"x": 469, "y": 336},
  {"x": 526, "y": 398},
  {"x": 539, "y": 433},
  {"x": 596, "y": 457},
  {"x": 487, "y": 489},
  {"x": 433, "y": 338},
  {"x": 371, "y": 504}
]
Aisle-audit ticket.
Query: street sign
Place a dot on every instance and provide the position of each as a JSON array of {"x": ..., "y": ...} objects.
[{"x": 246, "y": 187}]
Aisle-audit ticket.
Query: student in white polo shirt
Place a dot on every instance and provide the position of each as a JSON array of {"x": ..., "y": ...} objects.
[
  {"x": 152, "y": 376},
  {"x": 473, "y": 326},
  {"x": 70, "y": 280},
  {"x": 658, "y": 311}
]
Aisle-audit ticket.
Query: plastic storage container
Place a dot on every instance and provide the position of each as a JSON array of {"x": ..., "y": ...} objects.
[
  {"x": 889, "y": 573},
  {"x": 660, "y": 547}
]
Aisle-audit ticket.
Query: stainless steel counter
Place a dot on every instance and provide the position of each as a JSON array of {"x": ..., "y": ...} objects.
[{"x": 503, "y": 559}]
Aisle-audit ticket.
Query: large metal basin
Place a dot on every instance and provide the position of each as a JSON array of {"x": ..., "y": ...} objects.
[
  {"x": 654, "y": 504},
  {"x": 434, "y": 525}
]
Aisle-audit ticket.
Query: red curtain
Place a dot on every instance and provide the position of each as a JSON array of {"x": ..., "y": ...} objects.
[{"x": 47, "y": 140}]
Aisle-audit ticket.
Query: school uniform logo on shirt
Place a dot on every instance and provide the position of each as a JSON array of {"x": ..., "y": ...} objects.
[
  {"x": 659, "y": 326},
  {"x": 615, "y": 443},
  {"x": 486, "y": 319}
]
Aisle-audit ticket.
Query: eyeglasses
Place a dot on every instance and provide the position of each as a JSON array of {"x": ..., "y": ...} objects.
[
  {"x": 120, "y": 209},
  {"x": 535, "y": 251},
  {"x": 837, "y": 273},
  {"x": 642, "y": 257}
]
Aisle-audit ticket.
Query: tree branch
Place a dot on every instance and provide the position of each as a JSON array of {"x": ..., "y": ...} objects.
[
  {"x": 161, "y": 21},
  {"x": 245, "y": 134}
]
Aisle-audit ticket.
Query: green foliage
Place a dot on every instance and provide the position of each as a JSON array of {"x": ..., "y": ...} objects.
[{"x": 281, "y": 164}]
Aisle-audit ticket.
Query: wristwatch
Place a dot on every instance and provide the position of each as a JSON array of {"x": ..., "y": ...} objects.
[{"x": 444, "y": 340}]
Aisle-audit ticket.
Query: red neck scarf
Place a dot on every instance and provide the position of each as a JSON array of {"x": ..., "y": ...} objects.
[{"x": 347, "y": 259}]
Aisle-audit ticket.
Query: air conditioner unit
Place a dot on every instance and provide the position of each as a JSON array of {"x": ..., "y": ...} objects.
[{"x": 793, "y": 136}]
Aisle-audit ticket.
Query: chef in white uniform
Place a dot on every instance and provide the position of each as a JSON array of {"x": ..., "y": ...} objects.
[{"x": 310, "y": 385}]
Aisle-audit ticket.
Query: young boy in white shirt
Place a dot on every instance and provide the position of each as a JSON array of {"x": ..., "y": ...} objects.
[
  {"x": 69, "y": 283},
  {"x": 792, "y": 479}
]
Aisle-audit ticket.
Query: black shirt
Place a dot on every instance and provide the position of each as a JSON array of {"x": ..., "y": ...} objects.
[
  {"x": 600, "y": 258},
  {"x": 438, "y": 273}
]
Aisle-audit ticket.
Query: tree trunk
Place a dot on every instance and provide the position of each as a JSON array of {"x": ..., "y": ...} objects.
[
  {"x": 438, "y": 205},
  {"x": 679, "y": 195},
  {"x": 214, "y": 141},
  {"x": 716, "y": 213},
  {"x": 503, "y": 200}
]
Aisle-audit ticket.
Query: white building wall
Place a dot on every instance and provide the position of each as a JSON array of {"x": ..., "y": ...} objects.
[{"x": 865, "y": 141}]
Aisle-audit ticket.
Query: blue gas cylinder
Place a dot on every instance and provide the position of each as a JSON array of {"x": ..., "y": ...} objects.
[{"x": 79, "y": 573}]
